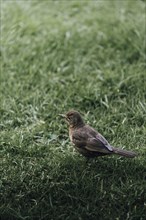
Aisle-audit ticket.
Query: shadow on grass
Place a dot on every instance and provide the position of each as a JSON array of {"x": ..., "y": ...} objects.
[
  {"x": 75, "y": 189},
  {"x": 116, "y": 167},
  {"x": 112, "y": 182}
]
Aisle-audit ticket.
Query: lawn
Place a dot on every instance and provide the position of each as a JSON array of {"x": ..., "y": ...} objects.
[{"x": 62, "y": 55}]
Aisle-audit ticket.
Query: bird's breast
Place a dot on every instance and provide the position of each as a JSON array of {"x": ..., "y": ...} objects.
[{"x": 70, "y": 134}]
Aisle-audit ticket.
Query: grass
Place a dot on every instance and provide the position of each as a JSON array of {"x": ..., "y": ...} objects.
[{"x": 83, "y": 55}]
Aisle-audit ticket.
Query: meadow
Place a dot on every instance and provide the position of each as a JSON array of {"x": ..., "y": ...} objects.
[{"x": 62, "y": 55}]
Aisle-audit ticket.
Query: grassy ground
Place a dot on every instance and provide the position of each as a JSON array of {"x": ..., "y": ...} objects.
[{"x": 83, "y": 55}]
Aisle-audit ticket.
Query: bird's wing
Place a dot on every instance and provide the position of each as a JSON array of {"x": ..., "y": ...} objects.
[
  {"x": 94, "y": 144},
  {"x": 89, "y": 139}
]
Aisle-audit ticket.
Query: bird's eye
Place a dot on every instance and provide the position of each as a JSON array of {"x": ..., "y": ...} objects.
[{"x": 70, "y": 117}]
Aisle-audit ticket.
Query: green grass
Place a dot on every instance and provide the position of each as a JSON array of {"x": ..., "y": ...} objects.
[{"x": 61, "y": 55}]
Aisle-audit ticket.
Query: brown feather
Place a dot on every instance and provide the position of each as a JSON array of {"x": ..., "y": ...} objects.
[{"x": 88, "y": 141}]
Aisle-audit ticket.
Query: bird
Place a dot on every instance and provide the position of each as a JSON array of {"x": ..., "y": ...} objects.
[{"x": 87, "y": 141}]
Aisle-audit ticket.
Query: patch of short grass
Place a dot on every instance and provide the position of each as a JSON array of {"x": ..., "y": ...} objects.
[{"x": 83, "y": 55}]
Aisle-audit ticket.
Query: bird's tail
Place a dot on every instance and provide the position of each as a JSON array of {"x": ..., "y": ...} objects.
[{"x": 124, "y": 153}]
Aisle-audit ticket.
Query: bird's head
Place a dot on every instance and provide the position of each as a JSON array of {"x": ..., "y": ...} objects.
[{"x": 73, "y": 118}]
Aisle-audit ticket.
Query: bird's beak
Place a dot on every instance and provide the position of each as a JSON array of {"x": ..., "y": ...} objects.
[{"x": 62, "y": 115}]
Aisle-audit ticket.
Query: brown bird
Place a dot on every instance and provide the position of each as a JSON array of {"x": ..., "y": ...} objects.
[{"x": 88, "y": 141}]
